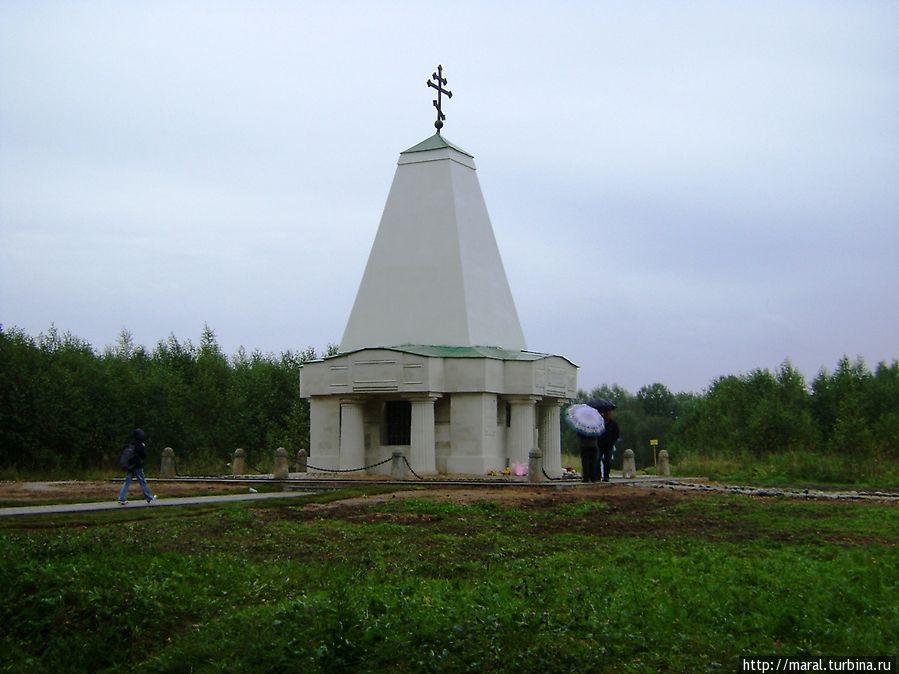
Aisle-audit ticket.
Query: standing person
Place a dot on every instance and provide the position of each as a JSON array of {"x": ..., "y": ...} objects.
[
  {"x": 608, "y": 439},
  {"x": 135, "y": 467}
]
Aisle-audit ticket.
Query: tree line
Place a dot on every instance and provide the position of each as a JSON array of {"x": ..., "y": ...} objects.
[
  {"x": 66, "y": 406},
  {"x": 850, "y": 410}
]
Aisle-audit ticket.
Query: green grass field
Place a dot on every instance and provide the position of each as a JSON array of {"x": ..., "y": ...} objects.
[
  {"x": 794, "y": 469},
  {"x": 620, "y": 581}
]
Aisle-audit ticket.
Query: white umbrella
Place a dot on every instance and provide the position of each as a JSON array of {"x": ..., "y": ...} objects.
[{"x": 585, "y": 420}]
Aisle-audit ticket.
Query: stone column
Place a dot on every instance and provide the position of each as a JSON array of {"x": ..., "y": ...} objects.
[
  {"x": 629, "y": 467},
  {"x": 397, "y": 467},
  {"x": 551, "y": 431},
  {"x": 422, "y": 452},
  {"x": 521, "y": 435},
  {"x": 239, "y": 462},
  {"x": 352, "y": 435},
  {"x": 535, "y": 466},
  {"x": 280, "y": 469},
  {"x": 664, "y": 467},
  {"x": 302, "y": 460},
  {"x": 168, "y": 463},
  {"x": 324, "y": 432}
]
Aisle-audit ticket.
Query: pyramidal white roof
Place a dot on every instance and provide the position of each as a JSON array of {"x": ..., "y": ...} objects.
[{"x": 434, "y": 275}]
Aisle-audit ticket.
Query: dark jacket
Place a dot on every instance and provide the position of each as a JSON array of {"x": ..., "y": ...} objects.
[
  {"x": 609, "y": 437},
  {"x": 133, "y": 456},
  {"x": 140, "y": 449},
  {"x": 587, "y": 441},
  {"x": 140, "y": 453}
]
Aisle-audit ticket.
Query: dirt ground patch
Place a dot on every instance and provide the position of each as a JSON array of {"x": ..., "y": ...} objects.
[
  {"x": 28, "y": 492},
  {"x": 519, "y": 494},
  {"x": 623, "y": 510},
  {"x": 626, "y": 502},
  {"x": 622, "y": 497}
]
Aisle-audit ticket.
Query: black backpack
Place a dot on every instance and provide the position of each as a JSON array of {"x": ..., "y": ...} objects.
[{"x": 126, "y": 460}]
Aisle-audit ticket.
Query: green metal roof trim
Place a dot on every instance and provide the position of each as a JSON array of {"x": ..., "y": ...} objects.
[
  {"x": 492, "y": 352},
  {"x": 435, "y": 142},
  {"x": 436, "y": 351}
]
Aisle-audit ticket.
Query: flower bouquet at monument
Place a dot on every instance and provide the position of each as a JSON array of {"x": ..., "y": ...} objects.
[{"x": 519, "y": 469}]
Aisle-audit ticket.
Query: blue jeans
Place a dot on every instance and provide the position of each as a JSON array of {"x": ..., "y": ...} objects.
[{"x": 130, "y": 475}]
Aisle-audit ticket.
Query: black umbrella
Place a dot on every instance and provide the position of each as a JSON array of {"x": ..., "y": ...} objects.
[{"x": 601, "y": 404}]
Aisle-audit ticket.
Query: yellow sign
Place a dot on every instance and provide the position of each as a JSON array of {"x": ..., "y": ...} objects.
[{"x": 653, "y": 442}]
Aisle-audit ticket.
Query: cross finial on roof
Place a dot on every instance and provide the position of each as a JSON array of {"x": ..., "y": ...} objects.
[{"x": 440, "y": 82}]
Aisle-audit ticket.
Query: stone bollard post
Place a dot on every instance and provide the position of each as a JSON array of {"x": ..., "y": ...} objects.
[
  {"x": 302, "y": 460},
  {"x": 397, "y": 467},
  {"x": 280, "y": 472},
  {"x": 239, "y": 462},
  {"x": 535, "y": 466},
  {"x": 664, "y": 467},
  {"x": 167, "y": 469},
  {"x": 630, "y": 465}
]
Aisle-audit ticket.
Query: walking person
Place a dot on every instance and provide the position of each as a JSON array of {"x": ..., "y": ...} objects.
[
  {"x": 608, "y": 439},
  {"x": 132, "y": 461}
]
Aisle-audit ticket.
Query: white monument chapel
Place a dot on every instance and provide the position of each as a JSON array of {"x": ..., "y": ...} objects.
[{"x": 433, "y": 360}]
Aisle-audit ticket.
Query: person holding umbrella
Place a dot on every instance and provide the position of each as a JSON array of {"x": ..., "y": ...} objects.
[
  {"x": 589, "y": 426},
  {"x": 606, "y": 441}
]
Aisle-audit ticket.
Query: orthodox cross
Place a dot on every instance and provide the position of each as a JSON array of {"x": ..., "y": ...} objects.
[{"x": 441, "y": 81}]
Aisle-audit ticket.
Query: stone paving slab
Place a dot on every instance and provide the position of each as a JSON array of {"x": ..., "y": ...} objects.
[{"x": 140, "y": 503}]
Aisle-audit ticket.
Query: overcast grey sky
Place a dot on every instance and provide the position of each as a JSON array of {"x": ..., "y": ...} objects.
[{"x": 678, "y": 190}]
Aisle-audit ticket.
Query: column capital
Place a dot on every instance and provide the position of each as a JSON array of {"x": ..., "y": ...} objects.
[
  {"x": 422, "y": 397},
  {"x": 522, "y": 399}
]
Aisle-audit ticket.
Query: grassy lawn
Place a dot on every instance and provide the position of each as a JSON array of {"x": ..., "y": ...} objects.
[
  {"x": 625, "y": 580},
  {"x": 794, "y": 469}
]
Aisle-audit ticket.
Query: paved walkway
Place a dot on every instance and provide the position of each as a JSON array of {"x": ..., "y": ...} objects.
[{"x": 158, "y": 503}]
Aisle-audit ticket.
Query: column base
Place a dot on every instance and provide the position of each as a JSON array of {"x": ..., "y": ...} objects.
[
  {"x": 326, "y": 461},
  {"x": 474, "y": 465}
]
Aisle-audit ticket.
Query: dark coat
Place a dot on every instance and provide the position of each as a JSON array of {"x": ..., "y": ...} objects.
[
  {"x": 609, "y": 437},
  {"x": 140, "y": 454},
  {"x": 588, "y": 441}
]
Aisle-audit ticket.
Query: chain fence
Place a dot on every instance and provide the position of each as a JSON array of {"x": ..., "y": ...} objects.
[
  {"x": 349, "y": 470},
  {"x": 374, "y": 465},
  {"x": 259, "y": 471},
  {"x": 409, "y": 466},
  {"x": 552, "y": 479}
]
